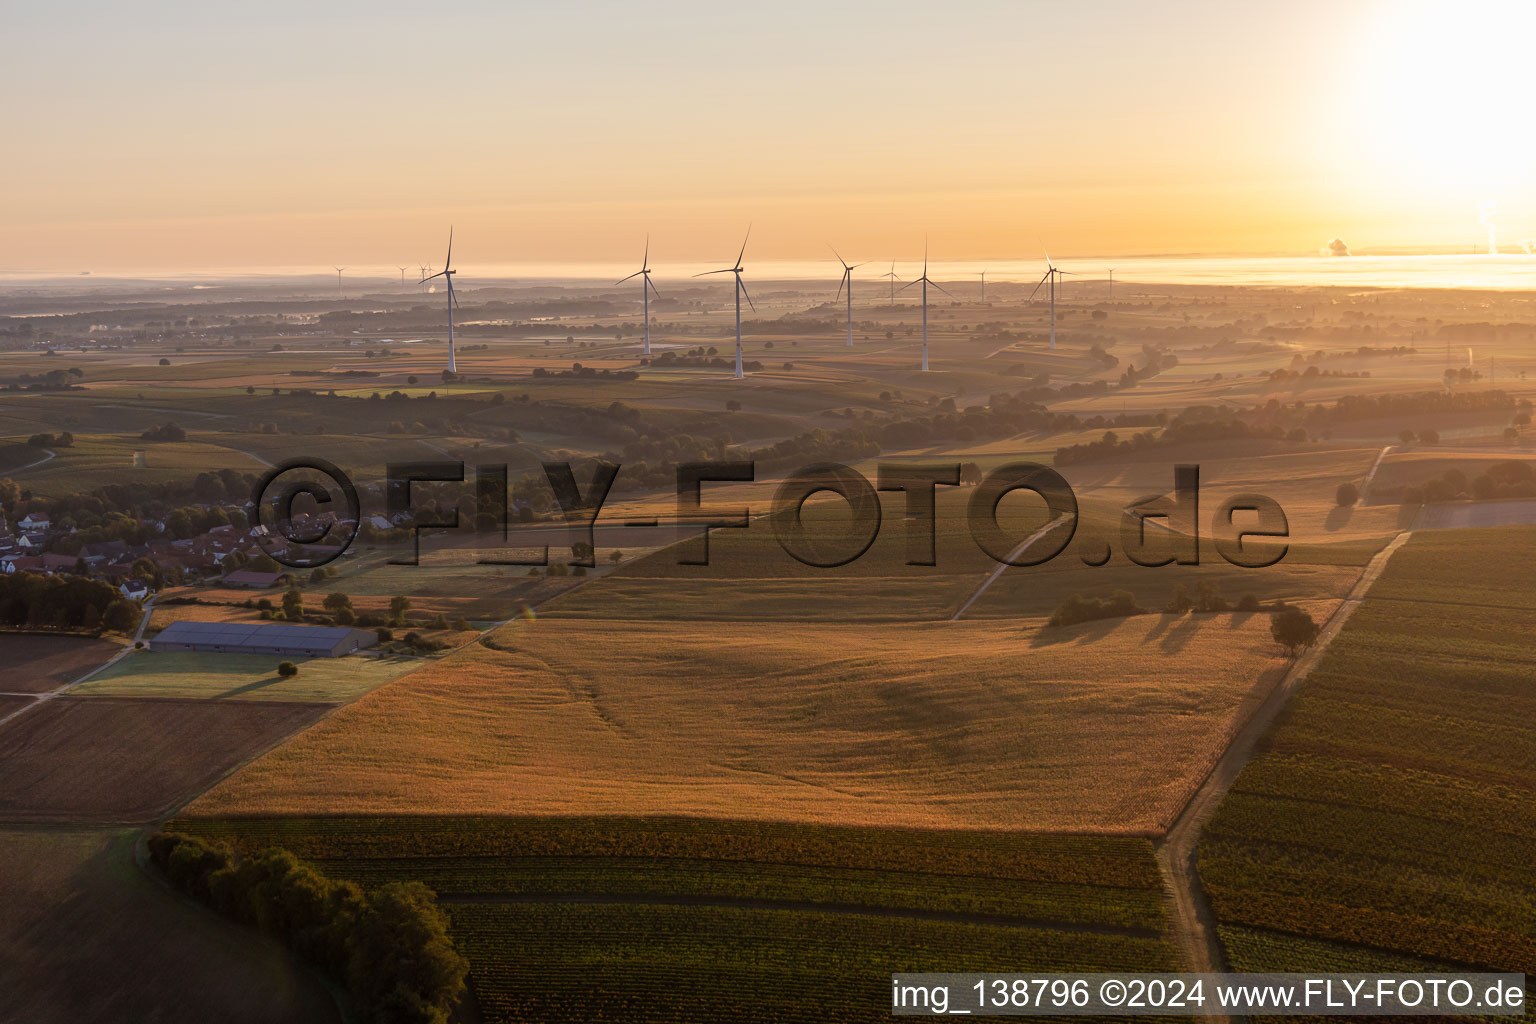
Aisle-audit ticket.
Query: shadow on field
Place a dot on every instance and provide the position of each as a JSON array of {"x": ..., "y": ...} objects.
[
  {"x": 1085, "y": 633},
  {"x": 1339, "y": 517}
]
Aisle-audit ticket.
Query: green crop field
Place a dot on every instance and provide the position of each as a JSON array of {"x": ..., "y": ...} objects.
[
  {"x": 243, "y": 677},
  {"x": 581, "y": 919},
  {"x": 1391, "y": 815}
]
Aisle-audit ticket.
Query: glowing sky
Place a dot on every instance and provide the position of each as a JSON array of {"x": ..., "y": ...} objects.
[{"x": 275, "y": 133}]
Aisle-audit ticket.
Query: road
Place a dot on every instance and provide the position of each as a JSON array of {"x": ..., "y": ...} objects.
[
  {"x": 1365, "y": 485},
  {"x": 1192, "y": 925}
]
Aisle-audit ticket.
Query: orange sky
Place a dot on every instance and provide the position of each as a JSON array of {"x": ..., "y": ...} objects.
[{"x": 182, "y": 136}]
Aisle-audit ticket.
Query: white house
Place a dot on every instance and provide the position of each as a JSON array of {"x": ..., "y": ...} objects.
[
  {"x": 135, "y": 590},
  {"x": 33, "y": 521}
]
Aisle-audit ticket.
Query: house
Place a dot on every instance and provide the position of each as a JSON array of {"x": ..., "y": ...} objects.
[
  {"x": 58, "y": 563},
  {"x": 272, "y": 638},
  {"x": 21, "y": 563},
  {"x": 33, "y": 521},
  {"x": 31, "y": 542},
  {"x": 255, "y": 580},
  {"x": 135, "y": 590}
]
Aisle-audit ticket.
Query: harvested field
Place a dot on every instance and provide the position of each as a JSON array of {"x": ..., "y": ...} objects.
[
  {"x": 37, "y": 664},
  {"x": 106, "y": 759}
]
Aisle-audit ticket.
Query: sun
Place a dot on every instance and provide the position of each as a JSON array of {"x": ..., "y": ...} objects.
[{"x": 1444, "y": 97}]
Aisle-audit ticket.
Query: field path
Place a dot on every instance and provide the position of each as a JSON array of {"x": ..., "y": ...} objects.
[
  {"x": 803, "y": 906},
  {"x": 1015, "y": 553},
  {"x": 1365, "y": 485},
  {"x": 1191, "y": 923},
  {"x": 39, "y": 698},
  {"x": 35, "y": 462}
]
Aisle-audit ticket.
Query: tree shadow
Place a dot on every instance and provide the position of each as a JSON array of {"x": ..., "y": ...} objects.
[
  {"x": 1174, "y": 640},
  {"x": 1082, "y": 633},
  {"x": 1338, "y": 517}
]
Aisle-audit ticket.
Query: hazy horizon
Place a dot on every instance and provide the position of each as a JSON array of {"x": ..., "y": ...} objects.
[{"x": 184, "y": 136}]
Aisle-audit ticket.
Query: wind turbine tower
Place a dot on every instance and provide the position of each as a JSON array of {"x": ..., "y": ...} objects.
[
  {"x": 644, "y": 273},
  {"x": 983, "y": 286},
  {"x": 338, "y": 279},
  {"x": 402, "y": 277},
  {"x": 741, "y": 289},
  {"x": 1111, "y": 284},
  {"x": 925, "y": 282},
  {"x": 892, "y": 275},
  {"x": 1051, "y": 274},
  {"x": 453, "y": 300},
  {"x": 848, "y": 281}
]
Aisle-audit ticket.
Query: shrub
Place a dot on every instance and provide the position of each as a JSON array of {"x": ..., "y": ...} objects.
[
  {"x": 1346, "y": 495},
  {"x": 1248, "y": 603},
  {"x": 287, "y": 669},
  {"x": 385, "y": 634},
  {"x": 1079, "y": 608}
]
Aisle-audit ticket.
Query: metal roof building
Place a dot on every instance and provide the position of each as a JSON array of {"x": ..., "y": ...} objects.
[{"x": 263, "y": 638}]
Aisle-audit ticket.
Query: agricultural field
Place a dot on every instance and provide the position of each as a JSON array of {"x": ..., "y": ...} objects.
[
  {"x": 86, "y": 935},
  {"x": 796, "y": 922},
  {"x": 108, "y": 759},
  {"x": 970, "y": 724},
  {"x": 38, "y": 664},
  {"x": 1389, "y": 815},
  {"x": 241, "y": 677}
]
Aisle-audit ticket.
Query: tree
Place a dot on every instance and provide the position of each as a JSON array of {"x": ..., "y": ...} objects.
[
  {"x": 10, "y": 493},
  {"x": 263, "y": 562},
  {"x": 1347, "y": 495},
  {"x": 1406, "y": 437},
  {"x": 293, "y": 604},
  {"x": 1293, "y": 629},
  {"x": 1429, "y": 437},
  {"x": 615, "y": 556},
  {"x": 398, "y": 606},
  {"x": 1179, "y": 601},
  {"x": 287, "y": 669},
  {"x": 165, "y": 362},
  {"x": 121, "y": 616},
  {"x": 336, "y": 602}
]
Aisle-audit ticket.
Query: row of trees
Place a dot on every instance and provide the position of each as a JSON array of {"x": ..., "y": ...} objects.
[
  {"x": 32, "y": 600},
  {"x": 1292, "y": 627},
  {"x": 390, "y": 947}
]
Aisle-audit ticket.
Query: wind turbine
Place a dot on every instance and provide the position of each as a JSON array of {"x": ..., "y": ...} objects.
[
  {"x": 848, "y": 281},
  {"x": 402, "y": 277},
  {"x": 453, "y": 300},
  {"x": 892, "y": 275},
  {"x": 741, "y": 289},
  {"x": 1051, "y": 274},
  {"x": 338, "y": 279},
  {"x": 925, "y": 282},
  {"x": 983, "y": 286},
  {"x": 644, "y": 273},
  {"x": 1111, "y": 284}
]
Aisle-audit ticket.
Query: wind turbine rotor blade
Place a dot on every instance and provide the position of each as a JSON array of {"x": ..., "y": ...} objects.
[
  {"x": 940, "y": 288},
  {"x": 838, "y": 255},
  {"x": 841, "y": 281},
  {"x": 1041, "y": 284},
  {"x": 631, "y": 277},
  {"x": 645, "y": 262},
  {"x": 652, "y": 286},
  {"x": 745, "y": 294},
  {"x": 448, "y": 260},
  {"x": 909, "y": 284},
  {"x": 440, "y": 273},
  {"x": 744, "y": 246},
  {"x": 452, "y": 295},
  {"x": 727, "y": 270}
]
